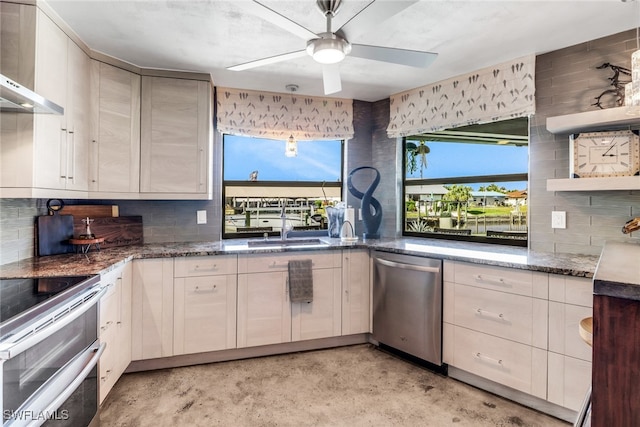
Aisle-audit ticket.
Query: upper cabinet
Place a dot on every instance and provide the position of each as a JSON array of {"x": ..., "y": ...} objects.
[
  {"x": 176, "y": 137},
  {"x": 115, "y": 132},
  {"x": 589, "y": 121},
  {"x": 44, "y": 155},
  {"x": 122, "y": 136}
]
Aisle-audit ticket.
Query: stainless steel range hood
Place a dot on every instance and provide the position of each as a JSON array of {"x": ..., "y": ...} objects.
[{"x": 18, "y": 99}]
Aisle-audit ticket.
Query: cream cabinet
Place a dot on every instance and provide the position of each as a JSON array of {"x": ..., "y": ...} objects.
[
  {"x": 496, "y": 324},
  {"x": 205, "y": 292},
  {"x": 115, "y": 327},
  {"x": 114, "y": 168},
  {"x": 44, "y": 155},
  {"x": 176, "y": 138},
  {"x": 152, "y": 308},
  {"x": 356, "y": 292},
  {"x": 265, "y": 313},
  {"x": 569, "y": 375}
]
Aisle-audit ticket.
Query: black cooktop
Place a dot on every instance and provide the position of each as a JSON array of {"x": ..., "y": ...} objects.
[{"x": 18, "y": 296}]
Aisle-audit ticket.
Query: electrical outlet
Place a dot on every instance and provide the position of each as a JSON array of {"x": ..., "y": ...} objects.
[
  {"x": 201, "y": 217},
  {"x": 558, "y": 219}
]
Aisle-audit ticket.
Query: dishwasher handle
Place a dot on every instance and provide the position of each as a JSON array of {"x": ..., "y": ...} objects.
[{"x": 414, "y": 267}]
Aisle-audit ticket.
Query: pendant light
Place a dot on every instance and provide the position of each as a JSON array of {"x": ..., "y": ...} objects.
[{"x": 291, "y": 145}]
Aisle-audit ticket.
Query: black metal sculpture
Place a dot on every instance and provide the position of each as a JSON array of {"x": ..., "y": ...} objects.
[
  {"x": 370, "y": 207},
  {"x": 618, "y": 85}
]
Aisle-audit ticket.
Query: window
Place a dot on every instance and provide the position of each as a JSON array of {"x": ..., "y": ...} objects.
[
  {"x": 468, "y": 183},
  {"x": 259, "y": 181}
]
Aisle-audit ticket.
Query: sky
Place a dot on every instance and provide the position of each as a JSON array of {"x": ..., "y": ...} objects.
[
  {"x": 321, "y": 161},
  {"x": 316, "y": 160}
]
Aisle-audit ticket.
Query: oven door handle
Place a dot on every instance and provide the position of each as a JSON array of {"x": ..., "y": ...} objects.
[
  {"x": 56, "y": 390},
  {"x": 57, "y": 320}
]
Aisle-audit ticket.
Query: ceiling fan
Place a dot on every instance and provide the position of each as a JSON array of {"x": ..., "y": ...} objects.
[{"x": 330, "y": 48}]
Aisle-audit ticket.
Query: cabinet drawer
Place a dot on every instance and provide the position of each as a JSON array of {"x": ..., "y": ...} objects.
[
  {"x": 499, "y": 360},
  {"x": 108, "y": 312},
  {"x": 206, "y": 265},
  {"x": 495, "y": 278},
  {"x": 111, "y": 279},
  {"x": 514, "y": 317},
  {"x": 571, "y": 290},
  {"x": 255, "y": 263}
]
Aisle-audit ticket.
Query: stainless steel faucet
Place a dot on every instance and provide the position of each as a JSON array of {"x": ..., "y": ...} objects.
[{"x": 283, "y": 226}]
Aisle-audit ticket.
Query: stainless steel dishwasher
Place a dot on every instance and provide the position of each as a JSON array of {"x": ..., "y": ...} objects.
[{"x": 407, "y": 304}]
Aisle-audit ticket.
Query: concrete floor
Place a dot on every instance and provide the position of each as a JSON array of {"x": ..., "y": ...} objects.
[{"x": 348, "y": 386}]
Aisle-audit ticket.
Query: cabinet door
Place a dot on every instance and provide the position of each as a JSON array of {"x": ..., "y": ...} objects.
[
  {"x": 50, "y": 82},
  {"x": 175, "y": 136},
  {"x": 152, "y": 302},
  {"x": 115, "y": 130},
  {"x": 124, "y": 321},
  {"x": 77, "y": 119},
  {"x": 320, "y": 318},
  {"x": 109, "y": 315},
  {"x": 204, "y": 314},
  {"x": 569, "y": 380},
  {"x": 356, "y": 292},
  {"x": 264, "y": 310}
]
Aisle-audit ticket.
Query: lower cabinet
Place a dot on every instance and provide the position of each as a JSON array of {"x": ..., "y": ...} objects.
[
  {"x": 569, "y": 374},
  {"x": 115, "y": 327},
  {"x": 152, "y": 302},
  {"x": 519, "y": 328},
  {"x": 265, "y": 313},
  {"x": 204, "y": 304},
  {"x": 356, "y": 292}
]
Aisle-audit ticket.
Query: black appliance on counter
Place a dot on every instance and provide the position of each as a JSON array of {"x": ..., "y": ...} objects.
[{"x": 49, "y": 350}]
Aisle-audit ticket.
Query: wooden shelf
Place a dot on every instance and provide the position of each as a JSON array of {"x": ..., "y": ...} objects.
[
  {"x": 594, "y": 184},
  {"x": 593, "y": 120}
]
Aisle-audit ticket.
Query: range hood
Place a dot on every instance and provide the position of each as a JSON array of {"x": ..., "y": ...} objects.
[{"x": 18, "y": 99}]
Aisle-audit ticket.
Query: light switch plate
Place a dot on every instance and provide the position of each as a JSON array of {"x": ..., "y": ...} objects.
[
  {"x": 201, "y": 217},
  {"x": 558, "y": 219}
]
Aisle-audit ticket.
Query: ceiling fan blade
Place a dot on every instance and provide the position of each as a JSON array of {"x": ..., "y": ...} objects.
[
  {"x": 412, "y": 58},
  {"x": 331, "y": 78},
  {"x": 269, "y": 60},
  {"x": 369, "y": 18},
  {"x": 270, "y": 15}
]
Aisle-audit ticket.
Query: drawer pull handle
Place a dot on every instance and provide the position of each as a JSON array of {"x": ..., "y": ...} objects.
[
  {"x": 213, "y": 267},
  {"x": 285, "y": 266},
  {"x": 482, "y": 357},
  {"x": 106, "y": 326},
  {"x": 491, "y": 281},
  {"x": 485, "y": 313},
  {"x": 211, "y": 289}
]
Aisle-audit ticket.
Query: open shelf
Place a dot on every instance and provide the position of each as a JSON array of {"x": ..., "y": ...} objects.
[
  {"x": 594, "y": 184},
  {"x": 593, "y": 120}
]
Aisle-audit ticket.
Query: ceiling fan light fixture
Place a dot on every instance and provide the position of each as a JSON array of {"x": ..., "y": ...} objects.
[{"x": 328, "y": 50}]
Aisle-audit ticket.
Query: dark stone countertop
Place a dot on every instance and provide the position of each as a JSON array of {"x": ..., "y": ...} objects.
[
  {"x": 96, "y": 262},
  {"x": 618, "y": 271}
]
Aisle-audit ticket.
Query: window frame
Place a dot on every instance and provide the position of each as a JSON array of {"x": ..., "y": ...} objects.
[
  {"x": 457, "y": 180},
  {"x": 273, "y": 184}
]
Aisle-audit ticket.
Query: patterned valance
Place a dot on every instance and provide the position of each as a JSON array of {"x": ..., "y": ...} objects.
[
  {"x": 280, "y": 115},
  {"x": 494, "y": 93}
]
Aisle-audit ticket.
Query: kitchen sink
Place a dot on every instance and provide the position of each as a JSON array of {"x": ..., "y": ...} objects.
[{"x": 286, "y": 243}]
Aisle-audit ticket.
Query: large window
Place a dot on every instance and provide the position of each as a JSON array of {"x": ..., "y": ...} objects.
[
  {"x": 468, "y": 183},
  {"x": 261, "y": 182}
]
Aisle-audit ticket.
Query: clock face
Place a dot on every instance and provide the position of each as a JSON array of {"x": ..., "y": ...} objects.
[{"x": 600, "y": 154}]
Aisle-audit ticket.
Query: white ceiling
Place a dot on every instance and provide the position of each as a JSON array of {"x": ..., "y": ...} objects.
[{"x": 210, "y": 35}]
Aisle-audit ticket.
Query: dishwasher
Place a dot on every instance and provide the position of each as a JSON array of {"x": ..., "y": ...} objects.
[{"x": 407, "y": 305}]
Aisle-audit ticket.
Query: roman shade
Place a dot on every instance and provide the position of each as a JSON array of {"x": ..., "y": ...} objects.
[
  {"x": 280, "y": 115},
  {"x": 495, "y": 93}
]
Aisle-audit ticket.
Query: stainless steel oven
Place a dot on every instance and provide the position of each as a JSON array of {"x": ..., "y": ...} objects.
[{"x": 49, "y": 350}]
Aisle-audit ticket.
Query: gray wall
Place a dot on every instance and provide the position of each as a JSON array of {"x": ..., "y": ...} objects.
[{"x": 566, "y": 82}]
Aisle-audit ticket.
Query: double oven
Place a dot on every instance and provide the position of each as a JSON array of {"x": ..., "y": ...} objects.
[{"x": 49, "y": 351}]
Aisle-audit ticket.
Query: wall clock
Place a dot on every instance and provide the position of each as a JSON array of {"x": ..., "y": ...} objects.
[{"x": 601, "y": 154}]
